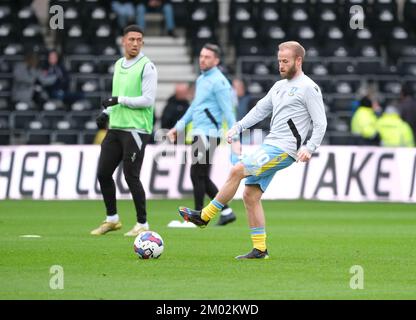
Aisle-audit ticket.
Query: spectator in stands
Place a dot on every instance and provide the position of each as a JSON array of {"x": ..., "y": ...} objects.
[
  {"x": 364, "y": 123},
  {"x": 243, "y": 102},
  {"x": 407, "y": 107},
  {"x": 27, "y": 81},
  {"x": 163, "y": 6},
  {"x": 393, "y": 131},
  {"x": 124, "y": 10},
  {"x": 176, "y": 106},
  {"x": 243, "y": 98},
  {"x": 58, "y": 87}
]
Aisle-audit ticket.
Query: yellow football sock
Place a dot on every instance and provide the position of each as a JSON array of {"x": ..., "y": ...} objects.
[
  {"x": 211, "y": 210},
  {"x": 258, "y": 237}
]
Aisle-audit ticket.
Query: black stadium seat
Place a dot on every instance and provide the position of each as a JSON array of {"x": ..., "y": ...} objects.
[
  {"x": 65, "y": 137},
  {"x": 409, "y": 13},
  {"x": 4, "y": 137},
  {"x": 22, "y": 119},
  {"x": 38, "y": 137},
  {"x": 4, "y": 120}
]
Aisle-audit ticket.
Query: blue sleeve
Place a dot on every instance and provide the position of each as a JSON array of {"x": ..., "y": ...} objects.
[{"x": 225, "y": 102}]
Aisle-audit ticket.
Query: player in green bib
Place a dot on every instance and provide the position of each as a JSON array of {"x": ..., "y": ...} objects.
[{"x": 128, "y": 116}]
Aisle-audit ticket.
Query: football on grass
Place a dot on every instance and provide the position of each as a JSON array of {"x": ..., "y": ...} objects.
[{"x": 148, "y": 245}]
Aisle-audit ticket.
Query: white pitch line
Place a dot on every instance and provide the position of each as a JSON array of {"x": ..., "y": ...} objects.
[{"x": 30, "y": 236}]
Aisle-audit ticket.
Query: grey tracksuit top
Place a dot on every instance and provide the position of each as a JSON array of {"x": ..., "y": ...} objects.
[{"x": 294, "y": 104}]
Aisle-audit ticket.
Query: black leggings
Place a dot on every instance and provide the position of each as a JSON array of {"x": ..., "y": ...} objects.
[
  {"x": 128, "y": 148},
  {"x": 203, "y": 149}
]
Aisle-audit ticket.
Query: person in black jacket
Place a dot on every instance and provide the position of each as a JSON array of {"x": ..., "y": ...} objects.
[{"x": 176, "y": 106}]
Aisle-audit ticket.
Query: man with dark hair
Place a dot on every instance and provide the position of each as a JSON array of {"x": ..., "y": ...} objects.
[
  {"x": 128, "y": 114},
  {"x": 212, "y": 103}
]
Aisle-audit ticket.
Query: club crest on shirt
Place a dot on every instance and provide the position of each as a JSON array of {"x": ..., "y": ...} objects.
[{"x": 292, "y": 91}]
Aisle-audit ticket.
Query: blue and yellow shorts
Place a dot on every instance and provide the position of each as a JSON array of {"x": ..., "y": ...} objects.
[{"x": 262, "y": 165}]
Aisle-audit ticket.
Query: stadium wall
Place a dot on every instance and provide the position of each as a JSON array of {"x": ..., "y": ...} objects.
[{"x": 335, "y": 173}]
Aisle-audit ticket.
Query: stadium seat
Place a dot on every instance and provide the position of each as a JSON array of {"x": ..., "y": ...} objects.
[
  {"x": 200, "y": 35},
  {"x": 86, "y": 83},
  {"x": 4, "y": 137},
  {"x": 390, "y": 86},
  {"x": 249, "y": 47},
  {"x": 5, "y": 83},
  {"x": 88, "y": 136},
  {"x": 13, "y": 49},
  {"x": 346, "y": 86},
  {"x": 4, "y": 120},
  {"x": 65, "y": 137},
  {"x": 367, "y": 50},
  {"x": 5, "y": 104},
  {"x": 407, "y": 67},
  {"x": 409, "y": 14},
  {"x": 72, "y": 15},
  {"x": 298, "y": 11},
  {"x": 22, "y": 119},
  {"x": 257, "y": 87},
  {"x": 319, "y": 69},
  {"x": 6, "y": 12},
  {"x": 205, "y": 11},
  {"x": 326, "y": 85},
  {"x": 53, "y": 105},
  {"x": 51, "y": 119},
  {"x": 342, "y": 67},
  {"x": 342, "y": 138},
  {"x": 335, "y": 48},
  {"x": 241, "y": 14},
  {"x": 261, "y": 68},
  {"x": 400, "y": 42},
  {"x": 370, "y": 67},
  {"x": 82, "y": 64},
  {"x": 337, "y": 123},
  {"x": 41, "y": 137},
  {"x": 341, "y": 102},
  {"x": 80, "y": 118},
  {"x": 326, "y": 11},
  {"x": 181, "y": 12},
  {"x": 88, "y": 103},
  {"x": 77, "y": 47},
  {"x": 106, "y": 66},
  {"x": 412, "y": 84},
  {"x": 8, "y": 34},
  {"x": 382, "y": 19}
]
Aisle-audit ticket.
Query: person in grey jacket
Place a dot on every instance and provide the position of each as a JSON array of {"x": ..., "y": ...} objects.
[{"x": 28, "y": 81}]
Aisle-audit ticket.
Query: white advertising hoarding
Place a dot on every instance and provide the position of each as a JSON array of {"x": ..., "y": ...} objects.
[{"x": 334, "y": 173}]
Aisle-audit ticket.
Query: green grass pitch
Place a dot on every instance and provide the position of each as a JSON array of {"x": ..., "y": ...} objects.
[{"x": 312, "y": 245}]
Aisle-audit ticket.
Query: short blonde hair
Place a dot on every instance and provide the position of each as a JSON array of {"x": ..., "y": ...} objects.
[{"x": 295, "y": 46}]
